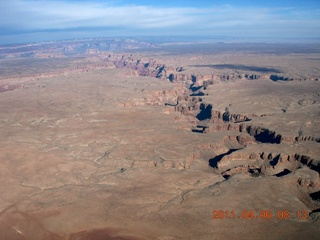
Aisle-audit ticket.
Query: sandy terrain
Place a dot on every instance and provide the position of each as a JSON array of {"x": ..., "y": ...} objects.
[{"x": 195, "y": 148}]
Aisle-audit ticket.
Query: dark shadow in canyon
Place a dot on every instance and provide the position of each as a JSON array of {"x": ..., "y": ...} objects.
[
  {"x": 255, "y": 172},
  {"x": 264, "y": 135},
  {"x": 199, "y": 94},
  {"x": 205, "y": 112},
  {"x": 195, "y": 91},
  {"x": 283, "y": 173},
  {"x": 213, "y": 162},
  {"x": 199, "y": 129},
  {"x": 194, "y": 88},
  {"x": 315, "y": 196},
  {"x": 275, "y": 160},
  {"x": 171, "y": 104},
  {"x": 276, "y": 78}
]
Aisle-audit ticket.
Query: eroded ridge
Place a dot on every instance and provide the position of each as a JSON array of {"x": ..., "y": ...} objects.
[
  {"x": 204, "y": 119},
  {"x": 212, "y": 121},
  {"x": 153, "y": 68}
]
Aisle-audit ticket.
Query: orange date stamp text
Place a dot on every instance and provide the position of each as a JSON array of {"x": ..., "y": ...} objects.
[{"x": 262, "y": 214}]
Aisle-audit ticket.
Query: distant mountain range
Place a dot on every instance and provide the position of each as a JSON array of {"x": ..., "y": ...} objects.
[{"x": 71, "y": 47}]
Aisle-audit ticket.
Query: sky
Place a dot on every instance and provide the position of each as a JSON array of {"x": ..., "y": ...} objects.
[{"x": 46, "y": 20}]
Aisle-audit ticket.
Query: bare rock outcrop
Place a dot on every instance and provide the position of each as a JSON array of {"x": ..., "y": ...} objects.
[{"x": 277, "y": 162}]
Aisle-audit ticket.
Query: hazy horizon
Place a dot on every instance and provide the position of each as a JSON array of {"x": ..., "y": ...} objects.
[{"x": 24, "y": 21}]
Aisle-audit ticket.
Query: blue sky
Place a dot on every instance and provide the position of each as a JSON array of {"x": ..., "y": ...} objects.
[{"x": 32, "y": 20}]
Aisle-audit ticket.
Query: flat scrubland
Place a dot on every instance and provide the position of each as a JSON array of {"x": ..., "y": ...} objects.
[{"x": 210, "y": 147}]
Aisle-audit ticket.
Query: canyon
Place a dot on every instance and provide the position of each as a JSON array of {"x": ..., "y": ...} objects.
[{"x": 121, "y": 139}]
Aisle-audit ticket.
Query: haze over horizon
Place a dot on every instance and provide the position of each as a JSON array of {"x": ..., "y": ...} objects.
[{"x": 40, "y": 20}]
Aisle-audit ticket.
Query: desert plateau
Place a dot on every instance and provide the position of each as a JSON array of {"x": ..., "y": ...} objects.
[{"x": 129, "y": 140}]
